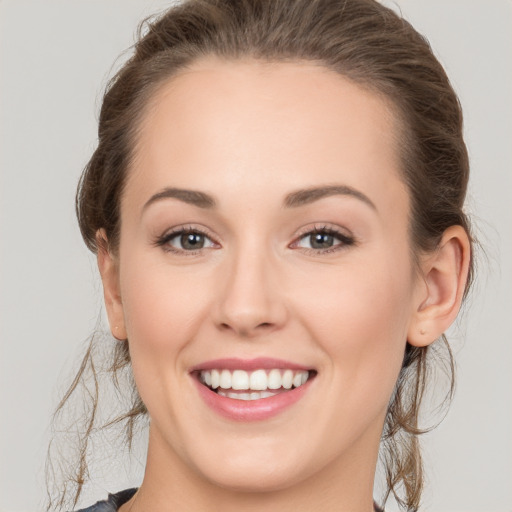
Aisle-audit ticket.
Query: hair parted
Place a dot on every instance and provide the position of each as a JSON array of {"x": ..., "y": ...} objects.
[{"x": 359, "y": 39}]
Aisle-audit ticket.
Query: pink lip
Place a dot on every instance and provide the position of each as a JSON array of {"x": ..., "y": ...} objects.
[
  {"x": 250, "y": 410},
  {"x": 233, "y": 363}
]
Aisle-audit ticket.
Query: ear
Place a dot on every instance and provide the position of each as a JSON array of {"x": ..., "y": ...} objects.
[
  {"x": 445, "y": 273},
  {"x": 109, "y": 271}
]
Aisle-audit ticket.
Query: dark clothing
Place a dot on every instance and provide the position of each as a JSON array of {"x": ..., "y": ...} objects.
[{"x": 114, "y": 501}]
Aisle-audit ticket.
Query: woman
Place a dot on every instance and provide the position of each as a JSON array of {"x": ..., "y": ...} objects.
[{"x": 276, "y": 207}]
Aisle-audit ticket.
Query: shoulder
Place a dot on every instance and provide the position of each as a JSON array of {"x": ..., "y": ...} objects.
[{"x": 112, "y": 503}]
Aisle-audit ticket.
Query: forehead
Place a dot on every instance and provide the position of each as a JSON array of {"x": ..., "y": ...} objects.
[{"x": 240, "y": 125}]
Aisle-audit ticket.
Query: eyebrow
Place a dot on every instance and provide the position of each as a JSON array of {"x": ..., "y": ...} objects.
[
  {"x": 193, "y": 197},
  {"x": 293, "y": 200},
  {"x": 309, "y": 195}
]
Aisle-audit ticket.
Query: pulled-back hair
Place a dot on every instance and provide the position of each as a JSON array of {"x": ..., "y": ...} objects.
[{"x": 368, "y": 44}]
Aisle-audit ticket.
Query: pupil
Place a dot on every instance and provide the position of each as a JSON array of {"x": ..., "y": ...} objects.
[
  {"x": 192, "y": 241},
  {"x": 321, "y": 240}
]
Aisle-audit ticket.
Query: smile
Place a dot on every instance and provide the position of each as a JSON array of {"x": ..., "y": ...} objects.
[
  {"x": 251, "y": 390},
  {"x": 258, "y": 384}
]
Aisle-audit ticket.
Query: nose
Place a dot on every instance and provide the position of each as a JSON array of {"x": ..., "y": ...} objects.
[{"x": 251, "y": 301}]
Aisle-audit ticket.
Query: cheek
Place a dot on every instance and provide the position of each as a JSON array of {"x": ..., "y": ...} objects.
[
  {"x": 163, "y": 309},
  {"x": 163, "y": 313},
  {"x": 360, "y": 319}
]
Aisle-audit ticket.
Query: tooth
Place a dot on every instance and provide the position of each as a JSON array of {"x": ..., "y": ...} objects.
[
  {"x": 215, "y": 379},
  {"x": 236, "y": 396},
  {"x": 274, "y": 379},
  {"x": 287, "y": 379},
  {"x": 225, "y": 379},
  {"x": 207, "y": 377},
  {"x": 258, "y": 380},
  {"x": 240, "y": 380},
  {"x": 246, "y": 396}
]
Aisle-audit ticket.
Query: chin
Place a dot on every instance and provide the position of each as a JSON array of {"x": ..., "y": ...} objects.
[
  {"x": 265, "y": 464},
  {"x": 256, "y": 478}
]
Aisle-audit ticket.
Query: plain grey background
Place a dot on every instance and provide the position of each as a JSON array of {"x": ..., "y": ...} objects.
[{"x": 55, "y": 57}]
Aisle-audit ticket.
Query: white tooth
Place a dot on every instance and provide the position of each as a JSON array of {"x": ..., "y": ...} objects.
[
  {"x": 297, "y": 379},
  {"x": 240, "y": 380},
  {"x": 225, "y": 379},
  {"x": 304, "y": 377},
  {"x": 274, "y": 379},
  {"x": 258, "y": 380},
  {"x": 215, "y": 379},
  {"x": 236, "y": 396},
  {"x": 206, "y": 377},
  {"x": 287, "y": 379},
  {"x": 246, "y": 396}
]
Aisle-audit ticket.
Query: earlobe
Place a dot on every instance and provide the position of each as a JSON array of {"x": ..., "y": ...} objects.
[
  {"x": 445, "y": 274},
  {"x": 107, "y": 265}
]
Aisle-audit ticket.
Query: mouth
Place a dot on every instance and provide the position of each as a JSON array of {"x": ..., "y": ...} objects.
[
  {"x": 250, "y": 390},
  {"x": 258, "y": 384}
]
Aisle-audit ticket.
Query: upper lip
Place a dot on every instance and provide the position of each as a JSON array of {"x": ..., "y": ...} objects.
[{"x": 234, "y": 363}]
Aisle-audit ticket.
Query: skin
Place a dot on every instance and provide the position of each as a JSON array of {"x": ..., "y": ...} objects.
[{"x": 256, "y": 133}]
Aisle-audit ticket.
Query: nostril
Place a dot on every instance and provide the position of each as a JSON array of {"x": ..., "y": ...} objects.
[{"x": 244, "y": 331}]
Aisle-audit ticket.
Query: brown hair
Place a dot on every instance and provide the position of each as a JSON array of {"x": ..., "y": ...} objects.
[{"x": 363, "y": 41}]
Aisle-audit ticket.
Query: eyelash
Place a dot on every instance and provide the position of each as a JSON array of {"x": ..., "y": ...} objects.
[
  {"x": 344, "y": 239},
  {"x": 163, "y": 241}
]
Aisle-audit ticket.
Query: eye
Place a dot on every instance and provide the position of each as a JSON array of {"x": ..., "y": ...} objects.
[
  {"x": 323, "y": 240},
  {"x": 185, "y": 240}
]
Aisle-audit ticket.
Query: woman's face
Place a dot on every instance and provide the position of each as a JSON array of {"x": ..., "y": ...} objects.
[{"x": 264, "y": 238}]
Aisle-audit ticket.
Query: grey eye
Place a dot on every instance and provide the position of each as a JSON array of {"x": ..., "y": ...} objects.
[
  {"x": 188, "y": 241},
  {"x": 321, "y": 240},
  {"x": 191, "y": 241}
]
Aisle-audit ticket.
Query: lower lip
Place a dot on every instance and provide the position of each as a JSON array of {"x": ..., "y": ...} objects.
[{"x": 250, "y": 410}]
